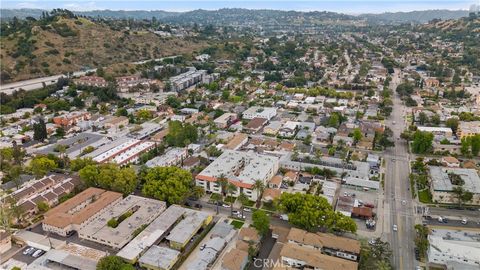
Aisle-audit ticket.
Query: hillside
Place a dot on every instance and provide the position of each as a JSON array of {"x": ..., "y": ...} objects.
[
  {"x": 422, "y": 16},
  {"x": 69, "y": 44}
]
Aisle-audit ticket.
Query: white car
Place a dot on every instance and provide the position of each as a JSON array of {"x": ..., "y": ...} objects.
[
  {"x": 226, "y": 205},
  {"x": 395, "y": 228},
  {"x": 240, "y": 216},
  {"x": 247, "y": 209},
  {"x": 404, "y": 202},
  {"x": 28, "y": 250}
]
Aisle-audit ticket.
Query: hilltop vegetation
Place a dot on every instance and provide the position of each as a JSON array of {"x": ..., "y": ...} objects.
[{"x": 62, "y": 42}]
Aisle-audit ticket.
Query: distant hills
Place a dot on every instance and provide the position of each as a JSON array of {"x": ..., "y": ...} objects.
[{"x": 238, "y": 16}]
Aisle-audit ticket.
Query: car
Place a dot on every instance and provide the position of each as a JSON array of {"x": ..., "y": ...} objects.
[
  {"x": 235, "y": 212},
  {"x": 28, "y": 250},
  {"x": 464, "y": 221},
  {"x": 240, "y": 216},
  {"x": 284, "y": 217},
  {"x": 395, "y": 228},
  {"x": 372, "y": 241},
  {"x": 393, "y": 160},
  {"x": 202, "y": 247},
  {"x": 247, "y": 209},
  {"x": 345, "y": 194},
  {"x": 38, "y": 253},
  {"x": 404, "y": 202},
  {"x": 225, "y": 205}
]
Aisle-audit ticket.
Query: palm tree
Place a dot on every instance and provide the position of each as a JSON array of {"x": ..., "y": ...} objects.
[
  {"x": 259, "y": 186},
  {"x": 223, "y": 182},
  {"x": 230, "y": 189},
  {"x": 243, "y": 200}
]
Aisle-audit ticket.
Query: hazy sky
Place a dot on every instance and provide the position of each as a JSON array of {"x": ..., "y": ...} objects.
[{"x": 344, "y": 6}]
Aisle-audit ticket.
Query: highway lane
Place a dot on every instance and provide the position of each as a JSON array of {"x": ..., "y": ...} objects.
[{"x": 397, "y": 194}]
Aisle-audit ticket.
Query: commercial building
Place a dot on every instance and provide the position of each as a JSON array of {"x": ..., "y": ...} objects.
[
  {"x": 172, "y": 157},
  {"x": 445, "y": 179},
  {"x": 437, "y": 131},
  {"x": 159, "y": 258},
  {"x": 466, "y": 129},
  {"x": 259, "y": 112},
  {"x": 241, "y": 169},
  {"x": 127, "y": 215},
  {"x": 454, "y": 249},
  {"x": 153, "y": 233},
  {"x": 75, "y": 213}
]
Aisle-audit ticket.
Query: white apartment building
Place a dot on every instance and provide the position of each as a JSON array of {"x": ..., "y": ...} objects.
[
  {"x": 241, "y": 169},
  {"x": 259, "y": 112}
]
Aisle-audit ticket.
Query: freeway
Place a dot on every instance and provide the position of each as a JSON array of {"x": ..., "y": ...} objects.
[{"x": 398, "y": 199}]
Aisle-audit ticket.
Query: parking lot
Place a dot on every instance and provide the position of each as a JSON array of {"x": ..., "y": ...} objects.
[
  {"x": 28, "y": 259},
  {"x": 365, "y": 197}
]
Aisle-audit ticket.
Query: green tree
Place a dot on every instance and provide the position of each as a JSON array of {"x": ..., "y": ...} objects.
[
  {"x": 60, "y": 132},
  {"x": 259, "y": 186},
  {"x": 375, "y": 256},
  {"x": 475, "y": 144},
  {"x": 243, "y": 199},
  {"x": 312, "y": 212},
  {"x": 113, "y": 262},
  {"x": 43, "y": 206},
  {"x": 40, "y": 130},
  {"x": 170, "y": 184},
  {"x": 452, "y": 123},
  {"x": 357, "y": 135},
  {"x": 109, "y": 176},
  {"x": 41, "y": 165},
  {"x": 462, "y": 195},
  {"x": 261, "y": 222},
  {"x": 422, "y": 142}
]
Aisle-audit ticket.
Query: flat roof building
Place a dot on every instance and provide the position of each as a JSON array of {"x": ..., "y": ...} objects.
[
  {"x": 172, "y": 157},
  {"x": 152, "y": 233},
  {"x": 259, "y": 112},
  {"x": 191, "y": 223},
  {"x": 297, "y": 256},
  {"x": 456, "y": 249},
  {"x": 445, "y": 179},
  {"x": 241, "y": 169},
  {"x": 135, "y": 211},
  {"x": 76, "y": 212},
  {"x": 159, "y": 258}
]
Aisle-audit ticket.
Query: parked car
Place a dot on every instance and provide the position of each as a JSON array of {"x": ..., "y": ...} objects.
[
  {"x": 284, "y": 217},
  {"x": 38, "y": 253},
  {"x": 28, "y": 251},
  {"x": 464, "y": 221},
  {"x": 240, "y": 216},
  {"x": 226, "y": 205},
  {"x": 247, "y": 209},
  {"x": 202, "y": 247},
  {"x": 395, "y": 228}
]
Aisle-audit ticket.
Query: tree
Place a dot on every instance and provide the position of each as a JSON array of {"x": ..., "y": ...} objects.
[
  {"x": 243, "y": 199},
  {"x": 422, "y": 118},
  {"x": 109, "y": 176},
  {"x": 231, "y": 189},
  {"x": 43, "y": 206},
  {"x": 41, "y": 165},
  {"x": 475, "y": 144},
  {"x": 422, "y": 142},
  {"x": 462, "y": 195},
  {"x": 60, "y": 132},
  {"x": 261, "y": 222},
  {"x": 170, "y": 184},
  {"x": 357, "y": 135},
  {"x": 259, "y": 186},
  {"x": 113, "y": 262},
  {"x": 40, "y": 130},
  {"x": 452, "y": 123},
  {"x": 405, "y": 89},
  {"x": 375, "y": 256},
  {"x": 312, "y": 212},
  {"x": 197, "y": 192}
]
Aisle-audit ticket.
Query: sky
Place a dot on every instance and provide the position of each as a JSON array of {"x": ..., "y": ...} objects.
[{"x": 342, "y": 6}]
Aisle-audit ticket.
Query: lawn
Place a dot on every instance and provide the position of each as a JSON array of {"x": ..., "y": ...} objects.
[
  {"x": 425, "y": 196},
  {"x": 269, "y": 207},
  {"x": 249, "y": 204},
  {"x": 230, "y": 199},
  {"x": 237, "y": 224}
]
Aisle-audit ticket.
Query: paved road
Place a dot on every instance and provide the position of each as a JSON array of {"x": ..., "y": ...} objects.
[{"x": 398, "y": 199}]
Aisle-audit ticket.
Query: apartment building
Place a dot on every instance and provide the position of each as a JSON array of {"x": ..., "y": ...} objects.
[
  {"x": 466, "y": 129},
  {"x": 241, "y": 169}
]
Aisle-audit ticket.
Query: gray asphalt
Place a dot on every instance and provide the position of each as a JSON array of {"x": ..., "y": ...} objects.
[{"x": 396, "y": 190}]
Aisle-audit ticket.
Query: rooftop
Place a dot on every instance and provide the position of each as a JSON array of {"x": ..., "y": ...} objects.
[
  {"x": 441, "y": 178},
  {"x": 161, "y": 257}
]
